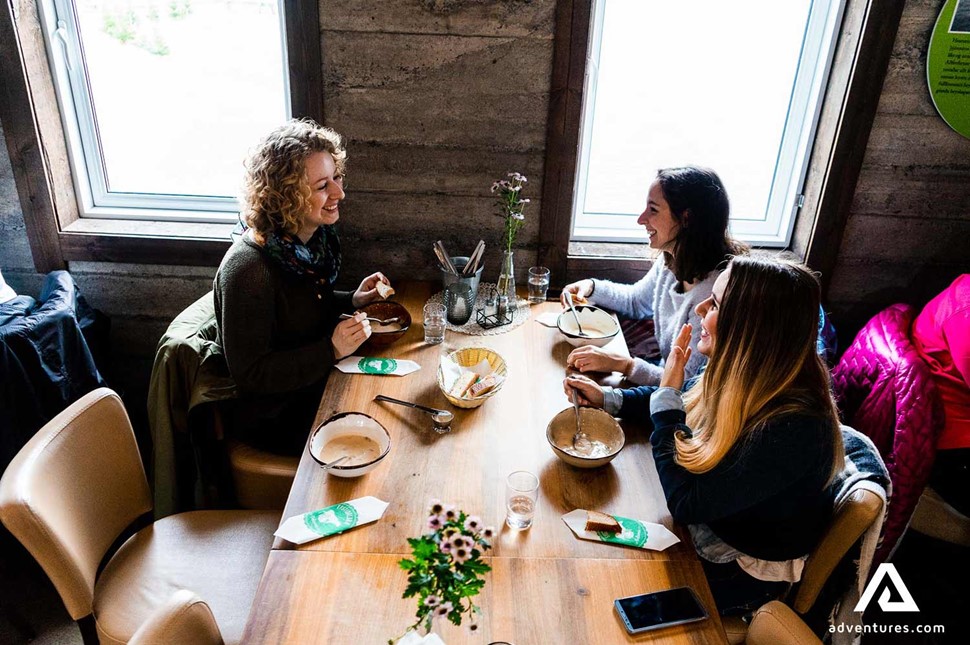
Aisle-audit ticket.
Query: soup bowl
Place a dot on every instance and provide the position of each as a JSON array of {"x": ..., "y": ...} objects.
[
  {"x": 353, "y": 424},
  {"x": 598, "y": 425},
  {"x": 599, "y": 326}
]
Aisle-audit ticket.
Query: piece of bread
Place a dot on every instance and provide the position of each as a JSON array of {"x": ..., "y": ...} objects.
[
  {"x": 385, "y": 291},
  {"x": 579, "y": 299},
  {"x": 484, "y": 385},
  {"x": 596, "y": 521},
  {"x": 462, "y": 384}
]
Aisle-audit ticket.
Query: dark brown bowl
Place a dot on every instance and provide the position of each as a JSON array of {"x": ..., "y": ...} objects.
[{"x": 385, "y": 309}]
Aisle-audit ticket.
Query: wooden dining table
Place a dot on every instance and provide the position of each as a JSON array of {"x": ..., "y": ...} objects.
[{"x": 546, "y": 585}]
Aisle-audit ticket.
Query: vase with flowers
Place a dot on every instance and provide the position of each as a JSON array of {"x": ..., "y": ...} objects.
[
  {"x": 445, "y": 568},
  {"x": 511, "y": 210}
]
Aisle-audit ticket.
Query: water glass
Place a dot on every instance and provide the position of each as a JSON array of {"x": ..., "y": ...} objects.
[
  {"x": 434, "y": 323},
  {"x": 538, "y": 284},
  {"x": 521, "y": 492}
]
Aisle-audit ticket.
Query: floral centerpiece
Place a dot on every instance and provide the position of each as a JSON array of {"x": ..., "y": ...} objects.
[
  {"x": 511, "y": 210},
  {"x": 444, "y": 570}
]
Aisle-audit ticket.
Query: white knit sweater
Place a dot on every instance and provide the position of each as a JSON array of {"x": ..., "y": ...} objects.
[{"x": 657, "y": 294}]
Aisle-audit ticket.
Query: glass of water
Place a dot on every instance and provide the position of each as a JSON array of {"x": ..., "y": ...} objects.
[
  {"x": 538, "y": 284},
  {"x": 521, "y": 492},
  {"x": 434, "y": 323}
]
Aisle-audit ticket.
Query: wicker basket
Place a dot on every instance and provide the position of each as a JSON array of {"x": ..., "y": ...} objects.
[{"x": 467, "y": 357}]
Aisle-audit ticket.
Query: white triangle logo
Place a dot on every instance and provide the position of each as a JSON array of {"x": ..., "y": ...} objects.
[{"x": 887, "y": 569}]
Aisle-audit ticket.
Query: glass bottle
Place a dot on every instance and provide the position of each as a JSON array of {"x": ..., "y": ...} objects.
[{"x": 506, "y": 279}]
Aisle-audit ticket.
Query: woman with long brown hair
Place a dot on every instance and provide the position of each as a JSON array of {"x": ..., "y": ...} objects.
[{"x": 746, "y": 455}]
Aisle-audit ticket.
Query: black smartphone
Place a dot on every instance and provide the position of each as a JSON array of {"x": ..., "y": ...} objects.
[{"x": 661, "y": 609}]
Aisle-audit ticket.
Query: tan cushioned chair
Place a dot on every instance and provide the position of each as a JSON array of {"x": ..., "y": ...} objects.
[
  {"x": 856, "y": 515},
  {"x": 70, "y": 494},
  {"x": 776, "y": 624},
  {"x": 262, "y": 479},
  {"x": 937, "y": 519},
  {"x": 185, "y": 618}
]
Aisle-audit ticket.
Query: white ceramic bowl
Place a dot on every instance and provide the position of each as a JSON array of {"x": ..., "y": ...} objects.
[
  {"x": 349, "y": 423},
  {"x": 598, "y": 324},
  {"x": 598, "y": 426}
]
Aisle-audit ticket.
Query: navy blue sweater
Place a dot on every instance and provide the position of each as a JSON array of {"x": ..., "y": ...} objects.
[{"x": 767, "y": 498}]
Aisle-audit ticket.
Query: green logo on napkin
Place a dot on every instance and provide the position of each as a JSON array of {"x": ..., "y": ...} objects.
[
  {"x": 633, "y": 534},
  {"x": 377, "y": 365},
  {"x": 332, "y": 519}
]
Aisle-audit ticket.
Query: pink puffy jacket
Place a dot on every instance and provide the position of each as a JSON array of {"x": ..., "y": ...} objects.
[{"x": 885, "y": 390}]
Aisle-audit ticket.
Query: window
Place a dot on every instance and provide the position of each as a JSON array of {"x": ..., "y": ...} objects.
[
  {"x": 736, "y": 86},
  {"x": 160, "y": 100}
]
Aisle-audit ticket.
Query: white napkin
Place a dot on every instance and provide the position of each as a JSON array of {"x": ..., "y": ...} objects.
[
  {"x": 549, "y": 319},
  {"x": 413, "y": 638},
  {"x": 450, "y": 371},
  {"x": 377, "y": 365},
  {"x": 636, "y": 533},
  {"x": 331, "y": 520}
]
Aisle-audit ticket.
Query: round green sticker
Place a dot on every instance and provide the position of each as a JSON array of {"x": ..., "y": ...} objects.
[
  {"x": 633, "y": 534},
  {"x": 332, "y": 519},
  {"x": 377, "y": 365}
]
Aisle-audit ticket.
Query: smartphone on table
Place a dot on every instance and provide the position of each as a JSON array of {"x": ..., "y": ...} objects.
[{"x": 651, "y": 611}]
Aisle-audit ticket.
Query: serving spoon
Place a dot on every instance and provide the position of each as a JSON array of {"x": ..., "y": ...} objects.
[{"x": 441, "y": 418}]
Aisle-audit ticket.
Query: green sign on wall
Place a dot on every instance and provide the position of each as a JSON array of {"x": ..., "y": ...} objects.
[{"x": 948, "y": 65}]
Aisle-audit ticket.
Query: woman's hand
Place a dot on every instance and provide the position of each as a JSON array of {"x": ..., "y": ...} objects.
[
  {"x": 367, "y": 292},
  {"x": 594, "y": 359},
  {"x": 349, "y": 334},
  {"x": 590, "y": 394},
  {"x": 673, "y": 375},
  {"x": 582, "y": 288}
]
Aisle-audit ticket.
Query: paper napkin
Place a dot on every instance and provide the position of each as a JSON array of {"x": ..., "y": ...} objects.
[
  {"x": 413, "y": 638},
  {"x": 549, "y": 319},
  {"x": 331, "y": 520},
  {"x": 377, "y": 365},
  {"x": 636, "y": 533},
  {"x": 450, "y": 371}
]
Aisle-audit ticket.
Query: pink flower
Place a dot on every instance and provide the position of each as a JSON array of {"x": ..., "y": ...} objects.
[
  {"x": 461, "y": 553},
  {"x": 459, "y": 541},
  {"x": 473, "y": 627},
  {"x": 446, "y": 546},
  {"x": 451, "y": 512},
  {"x": 432, "y": 601},
  {"x": 435, "y": 522},
  {"x": 489, "y": 532},
  {"x": 473, "y": 523},
  {"x": 435, "y": 507},
  {"x": 443, "y": 609}
]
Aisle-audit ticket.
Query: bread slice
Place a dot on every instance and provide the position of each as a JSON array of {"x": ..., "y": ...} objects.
[
  {"x": 462, "y": 384},
  {"x": 385, "y": 291},
  {"x": 579, "y": 299},
  {"x": 596, "y": 521},
  {"x": 484, "y": 385}
]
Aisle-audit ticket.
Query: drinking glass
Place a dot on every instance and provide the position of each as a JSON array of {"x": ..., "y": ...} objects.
[
  {"x": 538, "y": 284},
  {"x": 521, "y": 492},
  {"x": 434, "y": 323}
]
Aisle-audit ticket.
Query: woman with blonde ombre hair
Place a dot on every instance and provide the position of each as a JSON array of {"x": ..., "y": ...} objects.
[
  {"x": 746, "y": 455},
  {"x": 276, "y": 306}
]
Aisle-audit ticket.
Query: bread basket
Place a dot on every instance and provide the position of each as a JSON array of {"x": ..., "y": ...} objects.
[{"x": 468, "y": 357}]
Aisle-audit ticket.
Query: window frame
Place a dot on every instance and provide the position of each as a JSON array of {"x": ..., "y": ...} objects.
[
  {"x": 37, "y": 146},
  {"x": 862, "y": 52}
]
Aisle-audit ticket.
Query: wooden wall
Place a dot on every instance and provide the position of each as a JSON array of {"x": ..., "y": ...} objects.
[
  {"x": 438, "y": 98},
  {"x": 908, "y": 235}
]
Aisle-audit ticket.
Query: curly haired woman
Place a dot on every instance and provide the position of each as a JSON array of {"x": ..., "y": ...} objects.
[{"x": 276, "y": 308}]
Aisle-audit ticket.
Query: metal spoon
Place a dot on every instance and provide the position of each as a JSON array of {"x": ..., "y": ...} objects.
[
  {"x": 441, "y": 418},
  {"x": 335, "y": 462},
  {"x": 379, "y": 321},
  {"x": 581, "y": 442},
  {"x": 569, "y": 300}
]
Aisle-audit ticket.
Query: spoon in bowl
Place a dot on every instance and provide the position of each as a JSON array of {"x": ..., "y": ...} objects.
[
  {"x": 581, "y": 442},
  {"x": 581, "y": 334},
  {"x": 441, "y": 418},
  {"x": 379, "y": 321}
]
